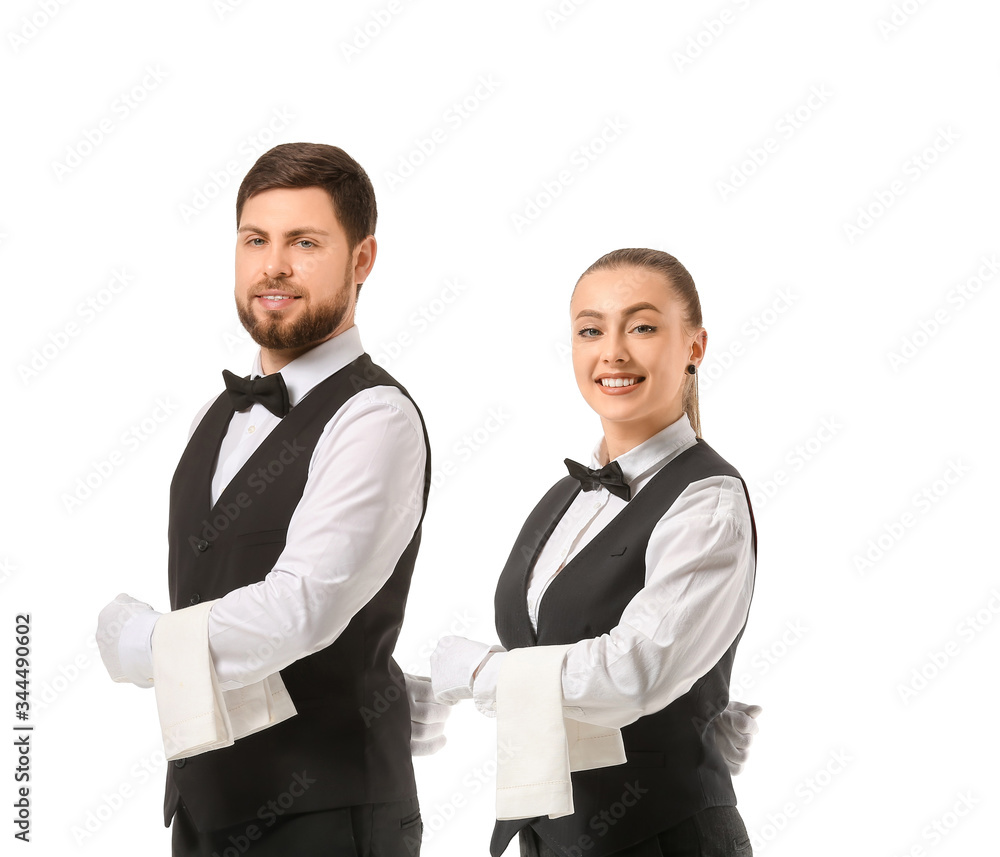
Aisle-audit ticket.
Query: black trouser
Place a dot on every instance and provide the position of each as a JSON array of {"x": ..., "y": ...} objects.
[
  {"x": 714, "y": 832},
  {"x": 369, "y": 830}
]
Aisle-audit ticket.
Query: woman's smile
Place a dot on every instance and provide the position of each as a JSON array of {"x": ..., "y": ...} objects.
[{"x": 618, "y": 384}]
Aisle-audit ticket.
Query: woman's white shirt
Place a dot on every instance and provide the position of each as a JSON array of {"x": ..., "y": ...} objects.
[{"x": 699, "y": 580}]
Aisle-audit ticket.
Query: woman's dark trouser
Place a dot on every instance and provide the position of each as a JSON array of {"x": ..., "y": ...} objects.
[
  {"x": 714, "y": 832},
  {"x": 370, "y": 830}
]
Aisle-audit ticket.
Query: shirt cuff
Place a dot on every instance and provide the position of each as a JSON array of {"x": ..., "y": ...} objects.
[
  {"x": 135, "y": 648},
  {"x": 484, "y": 687}
]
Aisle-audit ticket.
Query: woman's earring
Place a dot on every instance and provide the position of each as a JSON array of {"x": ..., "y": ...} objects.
[{"x": 692, "y": 368}]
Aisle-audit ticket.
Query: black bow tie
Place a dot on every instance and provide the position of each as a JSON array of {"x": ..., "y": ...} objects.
[
  {"x": 610, "y": 476},
  {"x": 269, "y": 390}
]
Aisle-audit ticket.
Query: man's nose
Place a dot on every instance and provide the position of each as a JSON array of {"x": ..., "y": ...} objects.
[{"x": 277, "y": 263}]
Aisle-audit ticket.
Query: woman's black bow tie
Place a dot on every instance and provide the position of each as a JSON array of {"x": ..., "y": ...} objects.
[{"x": 610, "y": 476}]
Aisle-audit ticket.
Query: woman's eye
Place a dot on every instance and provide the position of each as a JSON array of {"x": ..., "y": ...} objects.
[
  {"x": 643, "y": 328},
  {"x": 588, "y": 331}
]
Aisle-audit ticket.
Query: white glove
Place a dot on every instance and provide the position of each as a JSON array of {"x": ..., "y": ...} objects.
[
  {"x": 734, "y": 731},
  {"x": 454, "y": 664},
  {"x": 124, "y": 629},
  {"x": 427, "y": 716}
]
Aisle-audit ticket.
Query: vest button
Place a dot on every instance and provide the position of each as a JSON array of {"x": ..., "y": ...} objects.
[
  {"x": 202, "y": 545},
  {"x": 180, "y": 763},
  {"x": 195, "y": 598}
]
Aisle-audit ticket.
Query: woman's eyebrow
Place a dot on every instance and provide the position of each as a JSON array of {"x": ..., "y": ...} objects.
[{"x": 632, "y": 310}]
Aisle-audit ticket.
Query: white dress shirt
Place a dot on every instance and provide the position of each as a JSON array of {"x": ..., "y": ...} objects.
[
  {"x": 361, "y": 504},
  {"x": 699, "y": 579}
]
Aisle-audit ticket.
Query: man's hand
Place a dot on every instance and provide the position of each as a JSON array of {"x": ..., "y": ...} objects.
[
  {"x": 427, "y": 716},
  {"x": 734, "y": 731},
  {"x": 129, "y": 662},
  {"x": 454, "y": 664}
]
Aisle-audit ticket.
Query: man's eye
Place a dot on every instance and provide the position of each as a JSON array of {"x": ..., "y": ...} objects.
[
  {"x": 307, "y": 244},
  {"x": 254, "y": 240}
]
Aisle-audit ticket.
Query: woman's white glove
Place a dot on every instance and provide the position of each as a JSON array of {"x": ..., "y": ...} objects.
[
  {"x": 734, "y": 731},
  {"x": 454, "y": 664}
]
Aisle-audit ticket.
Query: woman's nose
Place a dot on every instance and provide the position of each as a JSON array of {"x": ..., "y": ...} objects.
[{"x": 615, "y": 350}]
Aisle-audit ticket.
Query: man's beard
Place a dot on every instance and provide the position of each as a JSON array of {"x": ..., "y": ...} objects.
[{"x": 312, "y": 325}]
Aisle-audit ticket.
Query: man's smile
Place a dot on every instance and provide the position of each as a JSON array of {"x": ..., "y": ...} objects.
[{"x": 273, "y": 299}]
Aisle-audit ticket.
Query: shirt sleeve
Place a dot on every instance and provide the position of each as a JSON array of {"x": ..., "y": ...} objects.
[
  {"x": 362, "y": 501},
  {"x": 699, "y": 581}
]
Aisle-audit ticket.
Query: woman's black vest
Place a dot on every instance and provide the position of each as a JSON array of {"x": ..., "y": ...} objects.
[
  {"x": 349, "y": 743},
  {"x": 674, "y": 768}
]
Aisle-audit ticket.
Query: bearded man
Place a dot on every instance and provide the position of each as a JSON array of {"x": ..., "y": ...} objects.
[{"x": 295, "y": 518}]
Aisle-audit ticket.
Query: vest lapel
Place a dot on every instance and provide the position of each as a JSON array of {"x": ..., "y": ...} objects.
[
  {"x": 204, "y": 449},
  {"x": 512, "y": 588}
]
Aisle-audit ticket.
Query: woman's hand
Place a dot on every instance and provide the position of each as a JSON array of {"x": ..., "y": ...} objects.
[
  {"x": 734, "y": 731},
  {"x": 454, "y": 664}
]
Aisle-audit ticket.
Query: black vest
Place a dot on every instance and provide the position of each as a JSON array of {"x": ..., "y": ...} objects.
[
  {"x": 349, "y": 743},
  {"x": 674, "y": 768}
]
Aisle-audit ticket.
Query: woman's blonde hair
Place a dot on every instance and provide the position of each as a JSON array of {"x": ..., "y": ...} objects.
[{"x": 683, "y": 288}]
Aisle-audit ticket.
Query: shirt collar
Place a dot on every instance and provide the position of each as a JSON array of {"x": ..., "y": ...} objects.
[
  {"x": 642, "y": 462},
  {"x": 317, "y": 364}
]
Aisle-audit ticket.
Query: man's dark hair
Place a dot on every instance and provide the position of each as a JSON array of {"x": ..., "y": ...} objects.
[{"x": 295, "y": 165}]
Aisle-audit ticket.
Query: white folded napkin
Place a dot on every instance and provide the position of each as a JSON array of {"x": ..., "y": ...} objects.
[
  {"x": 195, "y": 715},
  {"x": 540, "y": 746}
]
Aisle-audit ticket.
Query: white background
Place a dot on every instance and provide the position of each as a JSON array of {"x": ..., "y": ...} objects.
[{"x": 128, "y": 129}]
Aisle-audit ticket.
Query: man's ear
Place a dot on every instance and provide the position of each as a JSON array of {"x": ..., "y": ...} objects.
[{"x": 364, "y": 258}]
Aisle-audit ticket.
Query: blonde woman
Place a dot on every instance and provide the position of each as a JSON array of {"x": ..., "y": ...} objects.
[{"x": 642, "y": 565}]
